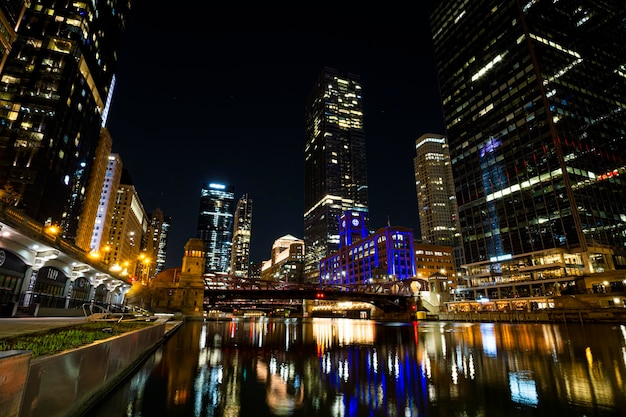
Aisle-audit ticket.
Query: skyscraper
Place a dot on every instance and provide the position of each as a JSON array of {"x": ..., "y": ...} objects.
[
  {"x": 533, "y": 98},
  {"x": 242, "y": 230},
  {"x": 215, "y": 225},
  {"x": 334, "y": 163},
  {"x": 434, "y": 183},
  {"x": 55, "y": 85},
  {"x": 436, "y": 198}
]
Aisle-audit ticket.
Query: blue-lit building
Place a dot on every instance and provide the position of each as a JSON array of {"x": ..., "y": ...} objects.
[{"x": 386, "y": 255}]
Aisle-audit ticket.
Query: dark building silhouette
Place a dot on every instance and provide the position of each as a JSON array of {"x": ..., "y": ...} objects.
[
  {"x": 56, "y": 86},
  {"x": 334, "y": 163}
]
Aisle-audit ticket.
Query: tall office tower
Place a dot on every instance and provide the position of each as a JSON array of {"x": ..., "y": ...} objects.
[
  {"x": 55, "y": 84},
  {"x": 101, "y": 225},
  {"x": 90, "y": 222},
  {"x": 215, "y": 225},
  {"x": 242, "y": 230},
  {"x": 533, "y": 98},
  {"x": 162, "y": 247},
  {"x": 10, "y": 14},
  {"x": 436, "y": 198},
  {"x": 335, "y": 177},
  {"x": 151, "y": 245},
  {"x": 128, "y": 226}
]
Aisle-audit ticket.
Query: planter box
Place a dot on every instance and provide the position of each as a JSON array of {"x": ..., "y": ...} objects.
[{"x": 68, "y": 383}]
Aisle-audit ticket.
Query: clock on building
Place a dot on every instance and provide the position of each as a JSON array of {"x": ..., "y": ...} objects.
[{"x": 355, "y": 222}]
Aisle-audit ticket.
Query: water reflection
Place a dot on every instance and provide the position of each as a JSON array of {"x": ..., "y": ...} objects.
[{"x": 343, "y": 367}]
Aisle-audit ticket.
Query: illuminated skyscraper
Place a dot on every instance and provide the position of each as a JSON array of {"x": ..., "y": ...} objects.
[
  {"x": 533, "y": 98},
  {"x": 436, "y": 199},
  {"x": 242, "y": 229},
  {"x": 55, "y": 85},
  {"x": 215, "y": 225},
  {"x": 334, "y": 165}
]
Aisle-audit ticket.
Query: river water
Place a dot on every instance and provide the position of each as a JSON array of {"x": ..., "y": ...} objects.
[{"x": 343, "y": 367}]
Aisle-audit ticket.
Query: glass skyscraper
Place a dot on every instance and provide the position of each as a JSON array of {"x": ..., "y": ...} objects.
[
  {"x": 54, "y": 89},
  {"x": 242, "y": 232},
  {"x": 533, "y": 96},
  {"x": 215, "y": 225},
  {"x": 334, "y": 163}
]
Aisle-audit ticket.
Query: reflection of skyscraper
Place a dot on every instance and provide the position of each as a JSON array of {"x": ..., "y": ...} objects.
[
  {"x": 335, "y": 164},
  {"x": 215, "y": 222},
  {"x": 242, "y": 229},
  {"x": 55, "y": 85},
  {"x": 533, "y": 95}
]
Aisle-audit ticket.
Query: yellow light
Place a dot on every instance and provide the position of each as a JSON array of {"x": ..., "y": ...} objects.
[{"x": 53, "y": 230}]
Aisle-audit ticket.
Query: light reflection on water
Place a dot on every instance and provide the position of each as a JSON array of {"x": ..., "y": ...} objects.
[{"x": 342, "y": 367}]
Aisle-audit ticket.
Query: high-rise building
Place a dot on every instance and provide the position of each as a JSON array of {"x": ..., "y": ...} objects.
[
  {"x": 10, "y": 14},
  {"x": 101, "y": 225},
  {"x": 129, "y": 224},
  {"x": 436, "y": 198},
  {"x": 242, "y": 230},
  {"x": 334, "y": 163},
  {"x": 55, "y": 86},
  {"x": 434, "y": 183},
  {"x": 162, "y": 246},
  {"x": 93, "y": 216},
  {"x": 215, "y": 225},
  {"x": 533, "y": 98}
]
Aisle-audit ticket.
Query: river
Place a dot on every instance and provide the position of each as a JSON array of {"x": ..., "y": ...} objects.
[{"x": 344, "y": 367}]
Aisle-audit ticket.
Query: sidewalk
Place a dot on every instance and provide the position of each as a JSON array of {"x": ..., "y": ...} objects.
[{"x": 12, "y": 326}]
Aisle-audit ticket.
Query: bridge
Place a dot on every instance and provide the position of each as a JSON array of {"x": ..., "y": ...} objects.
[{"x": 391, "y": 296}]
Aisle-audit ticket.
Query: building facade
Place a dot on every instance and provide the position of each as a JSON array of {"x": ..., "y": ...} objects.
[
  {"x": 55, "y": 84},
  {"x": 10, "y": 15},
  {"x": 162, "y": 245},
  {"x": 436, "y": 197},
  {"x": 335, "y": 163},
  {"x": 242, "y": 232},
  {"x": 533, "y": 98},
  {"x": 215, "y": 225},
  {"x": 129, "y": 225},
  {"x": 384, "y": 257},
  {"x": 287, "y": 261}
]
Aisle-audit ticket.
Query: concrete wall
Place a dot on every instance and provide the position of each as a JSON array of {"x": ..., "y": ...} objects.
[{"x": 68, "y": 383}]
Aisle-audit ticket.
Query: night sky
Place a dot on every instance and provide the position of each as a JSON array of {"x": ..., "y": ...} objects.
[{"x": 208, "y": 94}]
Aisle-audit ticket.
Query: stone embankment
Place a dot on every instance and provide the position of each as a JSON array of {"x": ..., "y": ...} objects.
[{"x": 607, "y": 315}]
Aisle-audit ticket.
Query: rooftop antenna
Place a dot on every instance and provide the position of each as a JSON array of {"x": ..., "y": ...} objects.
[{"x": 388, "y": 222}]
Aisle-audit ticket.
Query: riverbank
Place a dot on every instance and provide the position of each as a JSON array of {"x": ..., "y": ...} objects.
[{"x": 606, "y": 315}]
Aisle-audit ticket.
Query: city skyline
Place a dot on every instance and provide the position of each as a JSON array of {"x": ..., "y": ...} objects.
[{"x": 241, "y": 120}]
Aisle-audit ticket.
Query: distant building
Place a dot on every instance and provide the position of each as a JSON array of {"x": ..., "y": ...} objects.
[
  {"x": 105, "y": 188},
  {"x": 154, "y": 245},
  {"x": 162, "y": 245},
  {"x": 215, "y": 225},
  {"x": 287, "y": 261},
  {"x": 255, "y": 270},
  {"x": 335, "y": 171},
  {"x": 55, "y": 84},
  {"x": 180, "y": 290},
  {"x": 95, "y": 220},
  {"x": 129, "y": 223},
  {"x": 242, "y": 231},
  {"x": 384, "y": 257},
  {"x": 436, "y": 197}
]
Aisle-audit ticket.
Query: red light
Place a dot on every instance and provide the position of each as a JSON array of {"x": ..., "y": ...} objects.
[{"x": 319, "y": 295}]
